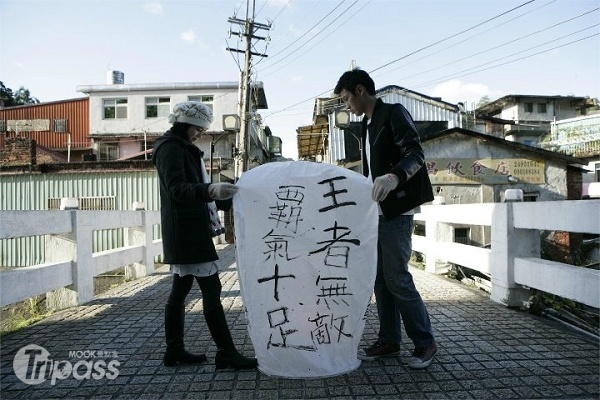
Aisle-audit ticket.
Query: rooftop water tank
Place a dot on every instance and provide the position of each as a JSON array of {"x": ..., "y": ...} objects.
[{"x": 115, "y": 77}]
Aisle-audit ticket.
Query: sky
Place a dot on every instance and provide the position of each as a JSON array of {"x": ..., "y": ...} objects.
[{"x": 459, "y": 50}]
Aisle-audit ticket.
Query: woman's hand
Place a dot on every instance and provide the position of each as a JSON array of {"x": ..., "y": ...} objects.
[{"x": 222, "y": 191}]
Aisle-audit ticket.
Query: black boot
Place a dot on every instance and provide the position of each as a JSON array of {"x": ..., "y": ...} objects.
[
  {"x": 227, "y": 355},
  {"x": 176, "y": 354},
  {"x": 232, "y": 359}
]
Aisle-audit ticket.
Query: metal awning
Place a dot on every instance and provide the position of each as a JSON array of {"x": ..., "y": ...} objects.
[
  {"x": 312, "y": 140},
  {"x": 147, "y": 153}
]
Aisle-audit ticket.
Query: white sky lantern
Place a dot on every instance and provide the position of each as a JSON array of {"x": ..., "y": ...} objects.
[{"x": 306, "y": 240}]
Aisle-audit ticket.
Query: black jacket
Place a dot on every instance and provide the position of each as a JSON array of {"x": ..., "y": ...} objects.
[
  {"x": 184, "y": 198},
  {"x": 395, "y": 147}
]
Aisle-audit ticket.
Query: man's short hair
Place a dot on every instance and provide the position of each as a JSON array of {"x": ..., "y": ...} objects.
[{"x": 351, "y": 79}]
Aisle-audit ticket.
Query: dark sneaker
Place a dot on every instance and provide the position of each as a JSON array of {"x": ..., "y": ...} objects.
[
  {"x": 379, "y": 350},
  {"x": 422, "y": 357}
]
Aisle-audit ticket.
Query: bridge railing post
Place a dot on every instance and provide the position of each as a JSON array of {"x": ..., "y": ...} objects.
[
  {"x": 137, "y": 236},
  {"x": 78, "y": 247},
  {"x": 508, "y": 243}
]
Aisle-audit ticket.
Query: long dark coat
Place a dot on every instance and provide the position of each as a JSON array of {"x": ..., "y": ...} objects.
[{"x": 184, "y": 198}]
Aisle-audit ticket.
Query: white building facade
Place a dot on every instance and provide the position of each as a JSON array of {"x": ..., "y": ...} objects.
[
  {"x": 126, "y": 119},
  {"x": 526, "y": 118}
]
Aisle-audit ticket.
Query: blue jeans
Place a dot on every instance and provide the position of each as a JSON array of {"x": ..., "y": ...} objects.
[{"x": 397, "y": 297}]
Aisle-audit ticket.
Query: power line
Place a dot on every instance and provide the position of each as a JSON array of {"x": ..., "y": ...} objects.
[
  {"x": 323, "y": 38},
  {"x": 510, "y": 42},
  {"x": 467, "y": 71},
  {"x": 465, "y": 40},
  {"x": 408, "y": 55},
  {"x": 451, "y": 36},
  {"x": 236, "y": 60},
  {"x": 260, "y": 9},
  {"x": 305, "y": 33},
  {"x": 507, "y": 62},
  {"x": 236, "y": 10},
  {"x": 280, "y": 11}
]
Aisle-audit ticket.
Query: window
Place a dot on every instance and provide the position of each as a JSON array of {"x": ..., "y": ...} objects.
[
  {"x": 108, "y": 151},
  {"x": 2, "y": 125},
  {"x": 87, "y": 203},
  {"x": 528, "y": 107},
  {"x": 115, "y": 108},
  {"x": 60, "y": 125},
  {"x": 542, "y": 108},
  {"x": 206, "y": 99},
  {"x": 158, "y": 107},
  {"x": 530, "y": 196}
]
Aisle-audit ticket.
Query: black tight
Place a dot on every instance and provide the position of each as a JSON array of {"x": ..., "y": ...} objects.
[{"x": 209, "y": 285}]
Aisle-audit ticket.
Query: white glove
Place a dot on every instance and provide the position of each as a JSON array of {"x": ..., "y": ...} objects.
[
  {"x": 383, "y": 185},
  {"x": 222, "y": 191}
]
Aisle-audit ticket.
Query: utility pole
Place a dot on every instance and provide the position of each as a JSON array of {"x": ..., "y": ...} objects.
[{"x": 243, "y": 137}]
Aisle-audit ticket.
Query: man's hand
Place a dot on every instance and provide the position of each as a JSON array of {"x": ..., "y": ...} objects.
[
  {"x": 383, "y": 185},
  {"x": 222, "y": 191}
]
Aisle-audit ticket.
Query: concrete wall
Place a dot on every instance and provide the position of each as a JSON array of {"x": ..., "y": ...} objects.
[
  {"x": 463, "y": 146},
  {"x": 559, "y": 108}
]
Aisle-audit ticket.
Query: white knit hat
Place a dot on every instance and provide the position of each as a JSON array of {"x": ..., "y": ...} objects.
[{"x": 192, "y": 112}]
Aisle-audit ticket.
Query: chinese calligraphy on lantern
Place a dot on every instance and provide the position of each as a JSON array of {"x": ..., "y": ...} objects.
[{"x": 306, "y": 237}]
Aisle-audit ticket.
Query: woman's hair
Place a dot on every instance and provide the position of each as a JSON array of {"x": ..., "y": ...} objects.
[{"x": 351, "y": 79}]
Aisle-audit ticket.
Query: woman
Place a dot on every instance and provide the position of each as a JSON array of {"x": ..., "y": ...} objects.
[{"x": 189, "y": 221}]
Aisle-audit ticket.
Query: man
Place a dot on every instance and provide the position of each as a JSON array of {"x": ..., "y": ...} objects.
[{"x": 393, "y": 158}]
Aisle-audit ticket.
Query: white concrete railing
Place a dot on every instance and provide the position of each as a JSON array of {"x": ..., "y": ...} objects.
[
  {"x": 70, "y": 265},
  {"x": 513, "y": 261}
]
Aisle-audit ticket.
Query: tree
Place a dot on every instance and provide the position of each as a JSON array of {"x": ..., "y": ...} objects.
[
  {"x": 23, "y": 96},
  {"x": 483, "y": 101},
  {"x": 20, "y": 97},
  {"x": 7, "y": 98},
  {"x": 469, "y": 115}
]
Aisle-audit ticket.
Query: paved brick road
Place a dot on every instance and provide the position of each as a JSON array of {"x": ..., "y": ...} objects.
[{"x": 486, "y": 351}]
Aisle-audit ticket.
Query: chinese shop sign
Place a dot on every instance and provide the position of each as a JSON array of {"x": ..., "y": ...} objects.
[
  {"x": 484, "y": 171},
  {"x": 306, "y": 239}
]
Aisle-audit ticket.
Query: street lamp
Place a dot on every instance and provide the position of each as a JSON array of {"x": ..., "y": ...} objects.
[
  {"x": 231, "y": 122},
  {"x": 342, "y": 121}
]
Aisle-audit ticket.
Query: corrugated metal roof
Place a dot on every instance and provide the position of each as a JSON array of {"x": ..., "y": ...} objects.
[
  {"x": 436, "y": 101},
  {"x": 134, "y": 155},
  {"x": 36, "y": 121},
  {"x": 312, "y": 140},
  {"x": 422, "y": 108}
]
